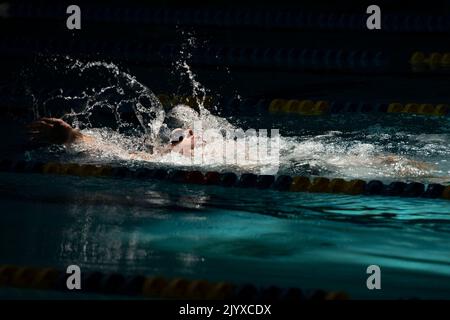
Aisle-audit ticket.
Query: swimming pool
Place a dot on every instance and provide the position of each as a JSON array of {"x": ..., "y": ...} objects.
[
  {"x": 265, "y": 237},
  {"x": 258, "y": 236}
]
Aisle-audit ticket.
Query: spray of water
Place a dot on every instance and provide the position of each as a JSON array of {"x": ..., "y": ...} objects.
[
  {"x": 139, "y": 118},
  {"x": 183, "y": 69},
  {"x": 109, "y": 91}
]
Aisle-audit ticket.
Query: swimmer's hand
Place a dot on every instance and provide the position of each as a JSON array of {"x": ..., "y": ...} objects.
[{"x": 53, "y": 131}]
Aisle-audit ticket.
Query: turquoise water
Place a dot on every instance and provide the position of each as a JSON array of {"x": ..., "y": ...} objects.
[
  {"x": 239, "y": 235},
  {"x": 264, "y": 237}
]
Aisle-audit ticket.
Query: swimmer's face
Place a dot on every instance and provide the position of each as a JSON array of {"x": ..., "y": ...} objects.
[{"x": 181, "y": 136}]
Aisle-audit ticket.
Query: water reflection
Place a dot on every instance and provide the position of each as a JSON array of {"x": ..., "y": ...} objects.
[{"x": 215, "y": 233}]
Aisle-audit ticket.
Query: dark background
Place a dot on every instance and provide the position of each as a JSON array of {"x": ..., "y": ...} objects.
[{"x": 144, "y": 38}]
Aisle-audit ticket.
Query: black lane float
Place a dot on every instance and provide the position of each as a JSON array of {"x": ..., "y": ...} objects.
[{"x": 230, "y": 179}]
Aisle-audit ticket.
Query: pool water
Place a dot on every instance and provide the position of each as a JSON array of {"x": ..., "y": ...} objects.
[{"x": 264, "y": 237}]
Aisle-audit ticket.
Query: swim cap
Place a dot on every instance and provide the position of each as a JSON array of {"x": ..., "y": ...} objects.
[{"x": 181, "y": 116}]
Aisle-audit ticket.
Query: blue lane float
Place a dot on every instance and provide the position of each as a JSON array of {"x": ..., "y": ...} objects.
[{"x": 240, "y": 17}]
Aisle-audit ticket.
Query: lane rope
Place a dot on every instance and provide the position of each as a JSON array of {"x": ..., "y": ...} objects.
[
  {"x": 243, "y": 17},
  {"x": 246, "y": 106},
  {"x": 230, "y": 179},
  {"x": 155, "y": 287}
]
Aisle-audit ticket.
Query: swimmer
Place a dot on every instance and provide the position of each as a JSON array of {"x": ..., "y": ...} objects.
[
  {"x": 57, "y": 131},
  {"x": 182, "y": 141}
]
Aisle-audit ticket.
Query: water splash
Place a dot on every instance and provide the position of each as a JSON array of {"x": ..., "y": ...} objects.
[
  {"x": 138, "y": 118},
  {"x": 110, "y": 95},
  {"x": 183, "y": 69}
]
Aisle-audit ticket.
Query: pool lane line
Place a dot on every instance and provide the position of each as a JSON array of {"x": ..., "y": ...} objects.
[
  {"x": 236, "y": 17},
  {"x": 288, "y": 59},
  {"x": 156, "y": 287},
  {"x": 433, "y": 61},
  {"x": 280, "y": 106},
  {"x": 245, "y": 180},
  {"x": 308, "y": 107},
  {"x": 323, "y": 107}
]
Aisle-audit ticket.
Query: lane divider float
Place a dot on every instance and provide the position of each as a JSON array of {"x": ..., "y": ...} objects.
[
  {"x": 322, "y": 107},
  {"x": 421, "y": 61},
  {"x": 248, "y": 106},
  {"x": 230, "y": 179},
  {"x": 242, "y": 17},
  {"x": 309, "y": 107},
  {"x": 155, "y": 287},
  {"x": 287, "y": 58}
]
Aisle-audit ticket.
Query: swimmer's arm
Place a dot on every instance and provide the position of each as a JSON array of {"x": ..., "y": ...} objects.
[
  {"x": 56, "y": 131},
  {"x": 141, "y": 155},
  {"x": 83, "y": 138}
]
